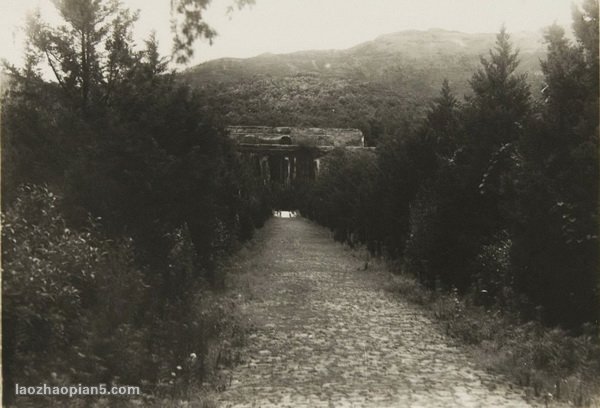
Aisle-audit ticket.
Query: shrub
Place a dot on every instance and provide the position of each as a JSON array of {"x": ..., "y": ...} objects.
[
  {"x": 421, "y": 236},
  {"x": 76, "y": 309},
  {"x": 493, "y": 280},
  {"x": 70, "y": 298}
]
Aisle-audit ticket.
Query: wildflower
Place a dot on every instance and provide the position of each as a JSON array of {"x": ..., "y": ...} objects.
[{"x": 179, "y": 367}]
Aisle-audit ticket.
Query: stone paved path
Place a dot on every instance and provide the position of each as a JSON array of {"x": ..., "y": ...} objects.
[{"x": 328, "y": 335}]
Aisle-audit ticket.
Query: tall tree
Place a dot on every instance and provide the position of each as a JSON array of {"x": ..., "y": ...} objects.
[
  {"x": 74, "y": 50},
  {"x": 443, "y": 122},
  {"x": 500, "y": 100},
  {"x": 555, "y": 252},
  {"x": 565, "y": 81},
  {"x": 463, "y": 209},
  {"x": 585, "y": 26}
]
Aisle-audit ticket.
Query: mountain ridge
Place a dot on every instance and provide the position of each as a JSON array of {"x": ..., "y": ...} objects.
[
  {"x": 527, "y": 41},
  {"x": 376, "y": 86}
]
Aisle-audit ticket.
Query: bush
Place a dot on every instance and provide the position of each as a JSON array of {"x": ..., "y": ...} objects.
[
  {"x": 493, "y": 279},
  {"x": 76, "y": 309},
  {"x": 100, "y": 283},
  {"x": 70, "y": 298},
  {"x": 421, "y": 241}
]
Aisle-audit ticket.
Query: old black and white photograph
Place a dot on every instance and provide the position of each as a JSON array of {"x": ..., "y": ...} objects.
[{"x": 300, "y": 203}]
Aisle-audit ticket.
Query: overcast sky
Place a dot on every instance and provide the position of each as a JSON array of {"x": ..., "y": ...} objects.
[{"x": 279, "y": 26}]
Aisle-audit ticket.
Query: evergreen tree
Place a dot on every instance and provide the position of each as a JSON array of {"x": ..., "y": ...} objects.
[
  {"x": 585, "y": 26},
  {"x": 74, "y": 51},
  {"x": 462, "y": 208},
  {"x": 443, "y": 122},
  {"x": 555, "y": 253},
  {"x": 500, "y": 103}
]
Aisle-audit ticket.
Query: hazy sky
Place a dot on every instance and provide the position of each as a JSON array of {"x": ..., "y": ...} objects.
[{"x": 279, "y": 26}]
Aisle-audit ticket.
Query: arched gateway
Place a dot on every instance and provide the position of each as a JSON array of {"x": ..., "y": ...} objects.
[{"x": 284, "y": 154}]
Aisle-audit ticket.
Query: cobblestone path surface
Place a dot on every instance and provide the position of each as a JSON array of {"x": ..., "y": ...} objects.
[{"x": 327, "y": 335}]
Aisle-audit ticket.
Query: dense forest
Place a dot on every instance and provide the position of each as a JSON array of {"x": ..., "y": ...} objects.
[
  {"x": 120, "y": 199},
  {"x": 122, "y": 195},
  {"x": 495, "y": 194}
]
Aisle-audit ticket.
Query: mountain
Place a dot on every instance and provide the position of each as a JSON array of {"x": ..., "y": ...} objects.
[{"x": 378, "y": 86}]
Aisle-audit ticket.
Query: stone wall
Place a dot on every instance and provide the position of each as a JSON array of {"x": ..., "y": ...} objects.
[{"x": 303, "y": 136}]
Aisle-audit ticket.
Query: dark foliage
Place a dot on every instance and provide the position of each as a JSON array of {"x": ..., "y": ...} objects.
[
  {"x": 126, "y": 146},
  {"x": 555, "y": 216},
  {"x": 342, "y": 197},
  {"x": 121, "y": 194},
  {"x": 496, "y": 196}
]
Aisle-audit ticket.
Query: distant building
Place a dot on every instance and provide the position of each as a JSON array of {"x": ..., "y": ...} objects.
[
  {"x": 265, "y": 135},
  {"x": 283, "y": 154}
]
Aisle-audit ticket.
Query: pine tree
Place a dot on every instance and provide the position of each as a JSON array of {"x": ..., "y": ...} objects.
[
  {"x": 466, "y": 200},
  {"x": 88, "y": 50},
  {"x": 555, "y": 252},
  {"x": 500, "y": 101},
  {"x": 585, "y": 26},
  {"x": 565, "y": 86},
  {"x": 443, "y": 122}
]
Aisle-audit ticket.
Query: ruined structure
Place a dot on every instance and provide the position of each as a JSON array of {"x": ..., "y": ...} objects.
[{"x": 284, "y": 154}]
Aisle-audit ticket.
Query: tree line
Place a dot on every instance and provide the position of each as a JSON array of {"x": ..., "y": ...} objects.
[
  {"x": 120, "y": 200},
  {"x": 122, "y": 196},
  {"x": 495, "y": 195}
]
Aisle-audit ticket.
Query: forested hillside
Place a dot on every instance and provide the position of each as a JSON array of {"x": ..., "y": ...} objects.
[{"x": 378, "y": 86}]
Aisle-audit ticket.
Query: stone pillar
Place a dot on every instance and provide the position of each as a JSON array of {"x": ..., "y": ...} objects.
[
  {"x": 294, "y": 169},
  {"x": 287, "y": 169},
  {"x": 264, "y": 168}
]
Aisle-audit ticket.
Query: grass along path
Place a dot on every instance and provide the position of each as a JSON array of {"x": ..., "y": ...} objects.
[{"x": 326, "y": 333}]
